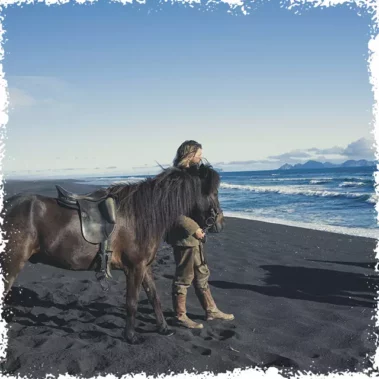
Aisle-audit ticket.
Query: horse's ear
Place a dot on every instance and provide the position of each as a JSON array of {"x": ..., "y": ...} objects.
[
  {"x": 193, "y": 170},
  {"x": 203, "y": 171},
  {"x": 212, "y": 179},
  {"x": 206, "y": 170}
]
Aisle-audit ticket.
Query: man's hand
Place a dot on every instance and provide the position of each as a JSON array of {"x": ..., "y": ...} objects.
[{"x": 199, "y": 234}]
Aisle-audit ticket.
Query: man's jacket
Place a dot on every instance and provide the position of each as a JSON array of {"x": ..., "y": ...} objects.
[{"x": 182, "y": 234}]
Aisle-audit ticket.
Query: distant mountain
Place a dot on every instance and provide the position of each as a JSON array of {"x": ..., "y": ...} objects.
[
  {"x": 360, "y": 163},
  {"x": 314, "y": 165},
  {"x": 286, "y": 167}
]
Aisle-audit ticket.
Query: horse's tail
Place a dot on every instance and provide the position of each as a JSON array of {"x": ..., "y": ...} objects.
[
  {"x": 19, "y": 234},
  {"x": 12, "y": 202}
]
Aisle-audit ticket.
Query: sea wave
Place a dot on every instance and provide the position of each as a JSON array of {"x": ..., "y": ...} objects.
[
  {"x": 316, "y": 180},
  {"x": 352, "y": 184},
  {"x": 319, "y": 181},
  {"x": 114, "y": 180},
  {"x": 371, "y": 198},
  {"x": 290, "y": 179}
]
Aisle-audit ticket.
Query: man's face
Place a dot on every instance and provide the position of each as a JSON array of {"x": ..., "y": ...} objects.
[{"x": 198, "y": 156}]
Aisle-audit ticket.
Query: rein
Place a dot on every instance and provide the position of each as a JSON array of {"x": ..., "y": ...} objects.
[{"x": 210, "y": 221}]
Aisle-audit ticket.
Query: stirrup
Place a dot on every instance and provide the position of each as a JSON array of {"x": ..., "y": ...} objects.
[{"x": 103, "y": 281}]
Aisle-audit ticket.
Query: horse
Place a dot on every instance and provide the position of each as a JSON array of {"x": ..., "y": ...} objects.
[{"x": 38, "y": 229}]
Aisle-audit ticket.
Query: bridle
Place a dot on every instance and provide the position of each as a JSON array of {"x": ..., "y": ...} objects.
[{"x": 211, "y": 220}]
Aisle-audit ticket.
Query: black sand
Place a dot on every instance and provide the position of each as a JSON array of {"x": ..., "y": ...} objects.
[{"x": 302, "y": 300}]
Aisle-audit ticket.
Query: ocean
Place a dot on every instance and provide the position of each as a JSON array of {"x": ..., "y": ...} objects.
[{"x": 338, "y": 200}]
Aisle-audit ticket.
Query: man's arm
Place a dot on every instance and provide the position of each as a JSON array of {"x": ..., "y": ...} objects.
[{"x": 189, "y": 225}]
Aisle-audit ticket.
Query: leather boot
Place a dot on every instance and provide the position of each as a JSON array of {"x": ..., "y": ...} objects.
[
  {"x": 181, "y": 318},
  {"x": 209, "y": 305}
]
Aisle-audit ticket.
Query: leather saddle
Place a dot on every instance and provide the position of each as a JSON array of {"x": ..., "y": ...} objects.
[{"x": 97, "y": 211}]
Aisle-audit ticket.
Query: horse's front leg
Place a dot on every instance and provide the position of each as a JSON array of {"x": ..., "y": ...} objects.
[
  {"x": 151, "y": 292},
  {"x": 134, "y": 280}
]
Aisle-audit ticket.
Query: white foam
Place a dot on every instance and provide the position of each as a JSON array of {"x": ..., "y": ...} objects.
[
  {"x": 109, "y": 181},
  {"x": 288, "y": 190},
  {"x": 320, "y": 181},
  {"x": 359, "y": 232},
  {"x": 352, "y": 184},
  {"x": 290, "y": 179}
]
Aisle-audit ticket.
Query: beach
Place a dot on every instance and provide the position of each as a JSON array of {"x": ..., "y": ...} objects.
[{"x": 303, "y": 300}]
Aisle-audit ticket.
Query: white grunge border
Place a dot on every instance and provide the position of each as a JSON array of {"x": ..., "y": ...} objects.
[{"x": 243, "y": 7}]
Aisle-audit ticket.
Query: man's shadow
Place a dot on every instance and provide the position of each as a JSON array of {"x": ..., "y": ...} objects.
[{"x": 312, "y": 284}]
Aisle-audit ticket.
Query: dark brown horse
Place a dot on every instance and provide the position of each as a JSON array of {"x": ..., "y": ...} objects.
[{"x": 38, "y": 227}]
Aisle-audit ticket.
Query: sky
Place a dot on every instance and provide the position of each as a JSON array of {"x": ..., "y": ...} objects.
[{"x": 111, "y": 89}]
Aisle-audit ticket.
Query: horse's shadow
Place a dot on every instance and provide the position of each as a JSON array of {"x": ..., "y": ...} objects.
[{"x": 20, "y": 302}]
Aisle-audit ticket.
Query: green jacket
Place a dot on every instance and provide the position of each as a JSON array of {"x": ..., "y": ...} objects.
[{"x": 182, "y": 234}]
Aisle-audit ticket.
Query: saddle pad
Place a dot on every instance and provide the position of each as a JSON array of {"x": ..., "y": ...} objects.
[{"x": 98, "y": 219}]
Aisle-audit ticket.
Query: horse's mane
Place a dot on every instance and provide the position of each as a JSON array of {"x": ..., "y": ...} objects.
[{"x": 156, "y": 203}]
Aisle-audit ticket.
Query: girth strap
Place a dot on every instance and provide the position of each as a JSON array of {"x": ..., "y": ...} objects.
[
  {"x": 97, "y": 221},
  {"x": 105, "y": 257}
]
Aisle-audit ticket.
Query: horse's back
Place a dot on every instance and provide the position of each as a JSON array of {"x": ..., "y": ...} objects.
[
  {"x": 35, "y": 213},
  {"x": 22, "y": 205},
  {"x": 54, "y": 230}
]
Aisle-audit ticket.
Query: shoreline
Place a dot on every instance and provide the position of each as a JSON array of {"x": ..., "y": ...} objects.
[
  {"x": 47, "y": 187},
  {"x": 342, "y": 230}
]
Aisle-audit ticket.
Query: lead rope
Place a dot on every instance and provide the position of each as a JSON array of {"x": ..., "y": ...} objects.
[
  {"x": 202, "y": 255},
  {"x": 102, "y": 275}
]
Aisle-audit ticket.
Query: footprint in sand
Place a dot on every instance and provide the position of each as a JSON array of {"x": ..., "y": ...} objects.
[
  {"x": 163, "y": 260},
  {"x": 278, "y": 361},
  {"x": 226, "y": 334},
  {"x": 202, "y": 350},
  {"x": 221, "y": 335}
]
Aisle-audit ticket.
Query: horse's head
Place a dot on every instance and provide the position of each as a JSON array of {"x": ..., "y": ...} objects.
[
  {"x": 209, "y": 213},
  {"x": 213, "y": 217}
]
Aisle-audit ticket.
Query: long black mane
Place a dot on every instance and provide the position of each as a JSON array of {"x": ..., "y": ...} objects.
[{"x": 157, "y": 202}]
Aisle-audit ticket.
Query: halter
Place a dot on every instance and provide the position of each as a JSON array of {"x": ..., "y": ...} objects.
[{"x": 210, "y": 221}]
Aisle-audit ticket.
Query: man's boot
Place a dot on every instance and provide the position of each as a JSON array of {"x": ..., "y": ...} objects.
[
  {"x": 181, "y": 318},
  {"x": 211, "y": 310}
]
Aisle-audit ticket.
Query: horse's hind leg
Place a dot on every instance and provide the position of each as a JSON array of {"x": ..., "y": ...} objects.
[
  {"x": 134, "y": 279},
  {"x": 151, "y": 292},
  {"x": 12, "y": 260}
]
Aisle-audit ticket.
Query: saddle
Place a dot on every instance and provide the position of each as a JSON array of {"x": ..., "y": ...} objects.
[{"x": 97, "y": 211}]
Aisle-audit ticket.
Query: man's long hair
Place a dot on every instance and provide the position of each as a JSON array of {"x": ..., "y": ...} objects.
[{"x": 185, "y": 150}]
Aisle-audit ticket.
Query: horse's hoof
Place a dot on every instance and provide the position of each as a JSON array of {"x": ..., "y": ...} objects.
[
  {"x": 166, "y": 332},
  {"x": 134, "y": 339}
]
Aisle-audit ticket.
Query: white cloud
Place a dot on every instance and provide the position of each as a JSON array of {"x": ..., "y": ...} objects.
[
  {"x": 361, "y": 149},
  {"x": 291, "y": 155},
  {"x": 19, "y": 98},
  {"x": 39, "y": 90},
  {"x": 330, "y": 151}
]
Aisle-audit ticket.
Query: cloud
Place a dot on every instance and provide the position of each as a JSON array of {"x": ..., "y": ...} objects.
[
  {"x": 361, "y": 149},
  {"x": 330, "y": 151},
  {"x": 251, "y": 162},
  {"x": 19, "y": 98},
  {"x": 45, "y": 91},
  {"x": 291, "y": 155}
]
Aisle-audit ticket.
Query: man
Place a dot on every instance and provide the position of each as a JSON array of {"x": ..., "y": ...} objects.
[{"x": 186, "y": 238}]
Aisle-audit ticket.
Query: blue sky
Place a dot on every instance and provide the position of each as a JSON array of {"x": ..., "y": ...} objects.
[{"x": 111, "y": 88}]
